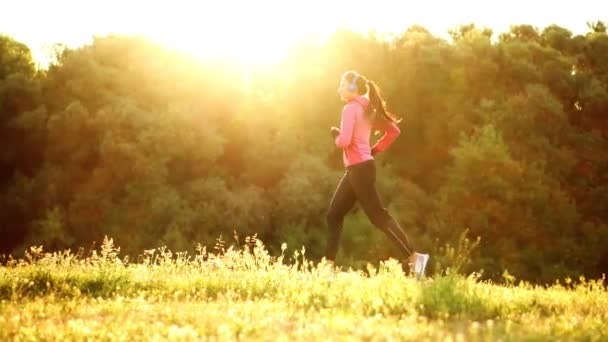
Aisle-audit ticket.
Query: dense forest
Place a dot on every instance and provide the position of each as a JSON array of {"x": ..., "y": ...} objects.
[{"x": 504, "y": 137}]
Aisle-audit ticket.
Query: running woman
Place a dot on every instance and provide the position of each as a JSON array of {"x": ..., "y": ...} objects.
[{"x": 365, "y": 111}]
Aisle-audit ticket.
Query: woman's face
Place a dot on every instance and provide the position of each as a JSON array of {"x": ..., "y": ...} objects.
[{"x": 345, "y": 94}]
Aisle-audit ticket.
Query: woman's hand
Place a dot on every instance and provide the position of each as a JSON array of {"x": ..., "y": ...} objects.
[{"x": 335, "y": 131}]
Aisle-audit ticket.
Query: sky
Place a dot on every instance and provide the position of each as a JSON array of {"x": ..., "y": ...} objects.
[{"x": 265, "y": 28}]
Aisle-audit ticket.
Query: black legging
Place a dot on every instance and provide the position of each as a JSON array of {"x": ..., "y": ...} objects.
[{"x": 358, "y": 184}]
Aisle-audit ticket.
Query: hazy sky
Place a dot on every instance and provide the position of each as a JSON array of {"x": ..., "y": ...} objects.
[{"x": 209, "y": 27}]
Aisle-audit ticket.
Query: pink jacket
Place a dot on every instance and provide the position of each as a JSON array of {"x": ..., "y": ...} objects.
[{"x": 355, "y": 133}]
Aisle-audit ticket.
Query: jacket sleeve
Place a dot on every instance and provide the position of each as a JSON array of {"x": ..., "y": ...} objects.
[
  {"x": 391, "y": 132},
  {"x": 347, "y": 124}
]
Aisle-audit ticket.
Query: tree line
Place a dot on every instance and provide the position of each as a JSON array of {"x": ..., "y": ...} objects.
[{"x": 503, "y": 137}]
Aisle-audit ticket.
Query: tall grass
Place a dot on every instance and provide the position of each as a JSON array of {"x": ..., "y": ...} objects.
[{"x": 237, "y": 280}]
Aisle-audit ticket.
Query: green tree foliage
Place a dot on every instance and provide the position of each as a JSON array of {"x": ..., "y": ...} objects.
[
  {"x": 19, "y": 96},
  {"x": 505, "y": 139}
]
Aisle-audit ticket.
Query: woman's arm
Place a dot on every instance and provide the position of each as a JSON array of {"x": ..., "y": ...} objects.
[
  {"x": 391, "y": 132},
  {"x": 347, "y": 124}
]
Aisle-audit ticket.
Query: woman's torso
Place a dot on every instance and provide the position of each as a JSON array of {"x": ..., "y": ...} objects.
[{"x": 359, "y": 149}]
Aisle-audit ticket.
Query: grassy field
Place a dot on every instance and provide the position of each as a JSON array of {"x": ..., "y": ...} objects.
[{"x": 238, "y": 295}]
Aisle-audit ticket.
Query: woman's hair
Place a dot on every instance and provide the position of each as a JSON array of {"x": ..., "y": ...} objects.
[{"x": 377, "y": 105}]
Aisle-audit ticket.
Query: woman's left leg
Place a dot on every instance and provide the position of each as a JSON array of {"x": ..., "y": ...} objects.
[{"x": 342, "y": 201}]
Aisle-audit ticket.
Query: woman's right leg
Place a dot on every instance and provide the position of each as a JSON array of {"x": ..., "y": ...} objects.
[
  {"x": 341, "y": 202},
  {"x": 363, "y": 179}
]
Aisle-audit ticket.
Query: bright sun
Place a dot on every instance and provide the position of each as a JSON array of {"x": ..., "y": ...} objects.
[
  {"x": 241, "y": 31},
  {"x": 256, "y": 45}
]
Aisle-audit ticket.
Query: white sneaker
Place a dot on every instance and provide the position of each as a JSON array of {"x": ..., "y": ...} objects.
[{"x": 420, "y": 264}]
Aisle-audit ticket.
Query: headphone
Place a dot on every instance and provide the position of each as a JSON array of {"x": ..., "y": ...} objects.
[{"x": 352, "y": 86}]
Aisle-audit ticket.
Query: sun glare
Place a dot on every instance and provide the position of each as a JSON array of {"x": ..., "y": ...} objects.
[
  {"x": 255, "y": 44},
  {"x": 250, "y": 32},
  {"x": 260, "y": 31}
]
